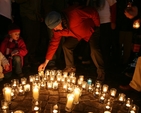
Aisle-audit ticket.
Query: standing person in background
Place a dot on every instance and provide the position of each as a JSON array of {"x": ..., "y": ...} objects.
[
  {"x": 4, "y": 65},
  {"x": 107, "y": 14},
  {"x": 84, "y": 26},
  {"x": 30, "y": 18},
  {"x": 5, "y": 17},
  {"x": 14, "y": 48}
]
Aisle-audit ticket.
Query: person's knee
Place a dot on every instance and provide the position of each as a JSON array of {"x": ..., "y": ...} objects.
[{"x": 17, "y": 59}]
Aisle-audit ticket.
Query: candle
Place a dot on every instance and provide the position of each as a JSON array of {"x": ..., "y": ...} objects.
[
  {"x": 4, "y": 105},
  {"x": 18, "y": 111},
  {"x": 55, "y": 85},
  {"x": 76, "y": 95},
  {"x": 73, "y": 80},
  {"x": 107, "y": 112},
  {"x": 65, "y": 86},
  {"x": 128, "y": 102},
  {"x": 113, "y": 92},
  {"x": 49, "y": 84},
  {"x": 35, "y": 92},
  {"x": 136, "y": 25},
  {"x": 121, "y": 97},
  {"x": 81, "y": 78},
  {"x": 7, "y": 93},
  {"x": 105, "y": 88},
  {"x": 84, "y": 84},
  {"x": 27, "y": 87},
  {"x": 55, "y": 109},
  {"x": 69, "y": 103},
  {"x": 23, "y": 81}
]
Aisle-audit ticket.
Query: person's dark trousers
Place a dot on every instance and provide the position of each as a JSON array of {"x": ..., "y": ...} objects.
[
  {"x": 31, "y": 35},
  {"x": 68, "y": 47},
  {"x": 96, "y": 54},
  {"x": 4, "y": 23},
  {"x": 106, "y": 42},
  {"x": 17, "y": 63}
]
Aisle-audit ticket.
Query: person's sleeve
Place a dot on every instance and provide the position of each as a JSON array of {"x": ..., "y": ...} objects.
[
  {"x": 22, "y": 48},
  {"x": 4, "y": 61},
  {"x": 53, "y": 45}
]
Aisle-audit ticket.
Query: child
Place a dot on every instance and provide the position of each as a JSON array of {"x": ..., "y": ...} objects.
[
  {"x": 4, "y": 64},
  {"x": 14, "y": 48}
]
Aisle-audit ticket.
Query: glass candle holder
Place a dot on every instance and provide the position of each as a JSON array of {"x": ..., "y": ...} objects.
[
  {"x": 136, "y": 25},
  {"x": 59, "y": 77},
  {"x": 49, "y": 84},
  {"x": 108, "y": 107},
  {"x": 133, "y": 109},
  {"x": 102, "y": 98},
  {"x": 41, "y": 73},
  {"x": 42, "y": 85},
  {"x": 47, "y": 72},
  {"x": 37, "y": 78},
  {"x": 113, "y": 92},
  {"x": 65, "y": 74},
  {"x": 69, "y": 104},
  {"x": 14, "y": 82},
  {"x": 81, "y": 78},
  {"x": 4, "y": 105},
  {"x": 84, "y": 85},
  {"x": 23, "y": 80},
  {"x": 79, "y": 82},
  {"x": 73, "y": 80},
  {"x": 27, "y": 87},
  {"x": 70, "y": 87},
  {"x": 31, "y": 78},
  {"x": 65, "y": 86},
  {"x": 121, "y": 97},
  {"x": 128, "y": 103},
  {"x": 105, "y": 88},
  {"x": 72, "y": 74},
  {"x": 36, "y": 106},
  {"x": 98, "y": 84},
  {"x": 77, "y": 93},
  {"x": 55, "y": 108},
  {"x": 89, "y": 81},
  {"x": 21, "y": 89},
  {"x": 55, "y": 85},
  {"x": 97, "y": 92}
]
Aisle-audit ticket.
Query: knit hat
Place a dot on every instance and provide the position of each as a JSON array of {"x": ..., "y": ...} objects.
[
  {"x": 53, "y": 19},
  {"x": 13, "y": 28}
]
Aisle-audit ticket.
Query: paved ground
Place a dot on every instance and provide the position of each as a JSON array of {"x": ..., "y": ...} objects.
[{"x": 113, "y": 79}]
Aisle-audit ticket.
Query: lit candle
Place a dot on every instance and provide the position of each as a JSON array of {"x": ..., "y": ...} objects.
[
  {"x": 69, "y": 103},
  {"x": 73, "y": 80},
  {"x": 23, "y": 81},
  {"x": 84, "y": 84},
  {"x": 81, "y": 78},
  {"x": 4, "y": 105},
  {"x": 65, "y": 86},
  {"x": 136, "y": 25},
  {"x": 35, "y": 92},
  {"x": 55, "y": 85},
  {"x": 113, "y": 92},
  {"x": 7, "y": 93},
  {"x": 107, "y": 112},
  {"x": 121, "y": 97},
  {"x": 27, "y": 87},
  {"x": 49, "y": 84},
  {"x": 76, "y": 95},
  {"x": 105, "y": 88},
  {"x": 55, "y": 108}
]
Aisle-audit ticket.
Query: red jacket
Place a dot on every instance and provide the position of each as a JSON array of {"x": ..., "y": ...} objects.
[
  {"x": 82, "y": 21},
  {"x": 18, "y": 45}
]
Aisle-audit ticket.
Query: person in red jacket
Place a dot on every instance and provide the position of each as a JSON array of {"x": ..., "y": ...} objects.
[
  {"x": 75, "y": 23},
  {"x": 14, "y": 48}
]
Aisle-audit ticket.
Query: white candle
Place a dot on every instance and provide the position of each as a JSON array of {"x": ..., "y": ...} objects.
[
  {"x": 70, "y": 101},
  {"x": 55, "y": 85},
  {"x": 35, "y": 92},
  {"x": 7, "y": 94},
  {"x": 27, "y": 87},
  {"x": 105, "y": 88},
  {"x": 76, "y": 95}
]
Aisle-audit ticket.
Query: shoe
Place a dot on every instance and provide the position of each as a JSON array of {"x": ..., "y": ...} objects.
[
  {"x": 69, "y": 69},
  {"x": 126, "y": 88}
]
